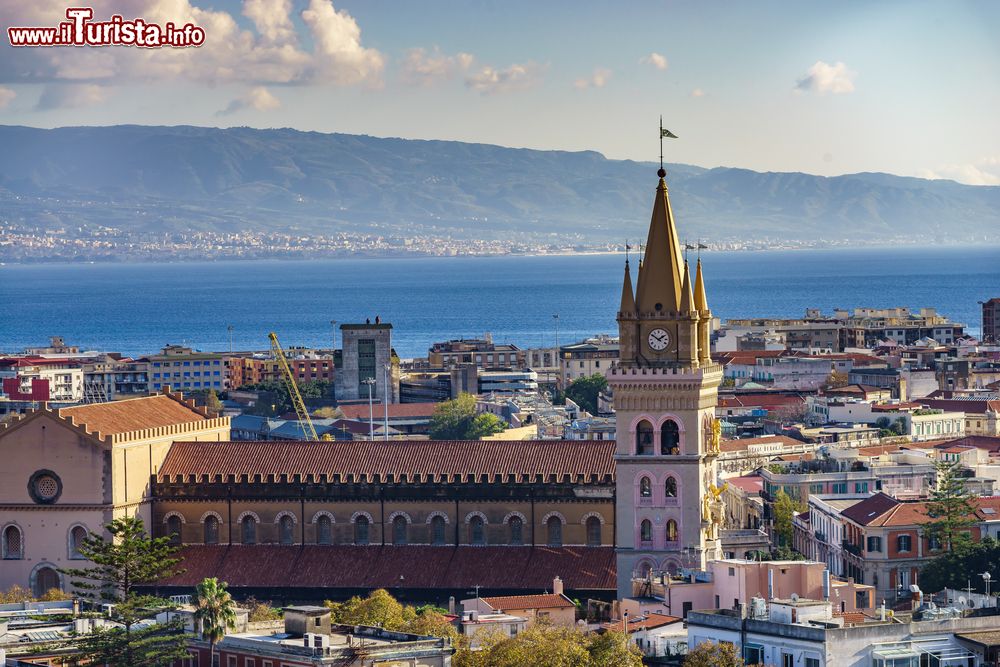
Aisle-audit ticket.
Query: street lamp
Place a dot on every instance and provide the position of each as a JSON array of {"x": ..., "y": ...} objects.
[
  {"x": 371, "y": 414},
  {"x": 333, "y": 325},
  {"x": 230, "y": 330},
  {"x": 385, "y": 398},
  {"x": 556, "y": 318},
  {"x": 986, "y": 578}
]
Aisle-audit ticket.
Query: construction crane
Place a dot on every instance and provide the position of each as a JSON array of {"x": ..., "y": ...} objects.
[{"x": 293, "y": 389}]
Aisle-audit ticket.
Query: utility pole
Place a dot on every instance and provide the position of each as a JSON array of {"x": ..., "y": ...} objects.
[
  {"x": 371, "y": 415},
  {"x": 333, "y": 325}
]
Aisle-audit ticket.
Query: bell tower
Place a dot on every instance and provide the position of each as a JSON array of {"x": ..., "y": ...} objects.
[{"x": 668, "y": 514}]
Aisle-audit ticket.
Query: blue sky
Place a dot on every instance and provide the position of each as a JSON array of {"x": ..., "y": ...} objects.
[{"x": 911, "y": 88}]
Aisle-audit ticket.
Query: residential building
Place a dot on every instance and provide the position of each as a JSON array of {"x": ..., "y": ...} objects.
[
  {"x": 588, "y": 357},
  {"x": 886, "y": 545},
  {"x": 483, "y": 353},
  {"x": 477, "y": 626},
  {"x": 553, "y": 608},
  {"x": 656, "y": 635},
  {"x": 367, "y": 363},
  {"x": 58, "y": 380},
  {"x": 308, "y": 638},
  {"x": 183, "y": 368},
  {"x": 70, "y": 471},
  {"x": 819, "y": 532},
  {"x": 991, "y": 320}
]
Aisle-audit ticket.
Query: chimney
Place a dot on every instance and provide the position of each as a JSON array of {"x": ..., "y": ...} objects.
[
  {"x": 770, "y": 584},
  {"x": 557, "y": 586},
  {"x": 451, "y": 605},
  {"x": 826, "y": 584}
]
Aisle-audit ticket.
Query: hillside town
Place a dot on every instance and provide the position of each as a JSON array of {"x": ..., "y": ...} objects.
[{"x": 806, "y": 492}]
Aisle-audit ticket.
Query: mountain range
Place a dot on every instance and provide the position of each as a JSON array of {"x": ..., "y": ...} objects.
[{"x": 164, "y": 179}]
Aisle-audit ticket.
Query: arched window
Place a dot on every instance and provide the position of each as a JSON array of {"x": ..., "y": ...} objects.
[
  {"x": 593, "y": 532},
  {"x": 211, "y": 529},
  {"x": 671, "y": 531},
  {"x": 324, "y": 530},
  {"x": 554, "y": 528},
  {"x": 516, "y": 531},
  {"x": 13, "y": 545},
  {"x": 437, "y": 530},
  {"x": 76, "y": 537},
  {"x": 645, "y": 487},
  {"x": 399, "y": 530},
  {"x": 249, "y": 530},
  {"x": 477, "y": 531},
  {"x": 670, "y": 487},
  {"x": 646, "y": 531},
  {"x": 670, "y": 438},
  {"x": 644, "y": 438},
  {"x": 361, "y": 526},
  {"x": 174, "y": 529},
  {"x": 286, "y": 530},
  {"x": 45, "y": 580}
]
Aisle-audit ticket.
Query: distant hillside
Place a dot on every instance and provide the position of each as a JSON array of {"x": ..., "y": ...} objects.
[{"x": 172, "y": 178}]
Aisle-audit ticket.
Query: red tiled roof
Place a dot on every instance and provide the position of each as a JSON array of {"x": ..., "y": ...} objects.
[
  {"x": 366, "y": 457},
  {"x": 870, "y": 509},
  {"x": 547, "y": 601},
  {"x": 396, "y": 410},
  {"x": 649, "y": 622},
  {"x": 132, "y": 414},
  {"x": 985, "y": 442},
  {"x": 968, "y": 406},
  {"x": 415, "y": 567}
]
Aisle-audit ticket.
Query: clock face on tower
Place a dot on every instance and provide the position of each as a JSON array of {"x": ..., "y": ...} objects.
[{"x": 658, "y": 339}]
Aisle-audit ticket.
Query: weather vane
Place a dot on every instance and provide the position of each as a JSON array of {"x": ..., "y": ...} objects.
[{"x": 669, "y": 135}]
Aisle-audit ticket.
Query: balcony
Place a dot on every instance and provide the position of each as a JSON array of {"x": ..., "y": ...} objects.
[{"x": 852, "y": 548}]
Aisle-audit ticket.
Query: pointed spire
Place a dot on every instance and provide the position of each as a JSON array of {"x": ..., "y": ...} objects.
[
  {"x": 660, "y": 275},
  {"x": 628, "y": 300},
  {"x": 687, "y": 300},
  {"x": 700, "y": 301}
]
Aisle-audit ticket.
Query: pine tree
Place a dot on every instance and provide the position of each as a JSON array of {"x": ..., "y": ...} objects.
[
  {"x": 129, "y": 559},
  {"x": 950, "y": 508},
  {"x": 216, "y": 612}
]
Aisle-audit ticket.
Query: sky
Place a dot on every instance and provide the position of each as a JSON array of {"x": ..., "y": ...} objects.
[{"x": 910, "y": 88}]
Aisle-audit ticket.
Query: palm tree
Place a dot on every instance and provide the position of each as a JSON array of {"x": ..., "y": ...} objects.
[{"x": 216, "y": 612}]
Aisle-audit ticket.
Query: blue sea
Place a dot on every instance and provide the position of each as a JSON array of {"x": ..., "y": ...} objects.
[{"x": 138, "y": 308}]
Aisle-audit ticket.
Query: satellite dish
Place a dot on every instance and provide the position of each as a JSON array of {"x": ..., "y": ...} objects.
[
  {"x": 795, "y": 597},
  {"x": 961, "y": 600}
]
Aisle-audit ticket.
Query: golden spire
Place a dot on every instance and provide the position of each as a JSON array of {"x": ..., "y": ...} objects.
[
  {"x": 660, "y": 274},
  {"x": 700, "y": 301},
  {"x": 687, "y": 300},
  {"x": 628, "y": 300}
]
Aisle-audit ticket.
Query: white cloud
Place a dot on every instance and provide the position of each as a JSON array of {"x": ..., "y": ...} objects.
[
  {"x": 272, "y": 18},
  {"x": 272, "y": 52},
  {"x": 423, "y": 68},
  {"x": 6, "y": 97},
  {"x": 698, "y": 92},
  {"x": 656, "y": 60},
  {"x": 598, "y": 79},
  {"x": 258, "y": 99},
  {"x": 70, "y": 96},
  {"x": 825, "y": 78},
  {"x": 488, "y": 80},
  {"x": 985, "y": 171}
]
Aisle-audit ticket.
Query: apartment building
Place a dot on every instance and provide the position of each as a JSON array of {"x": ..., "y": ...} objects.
[
  {"x": 58, "y": 380},
  {"x": 482, "y": 352},
  {"x": 184, "y": 368},
  {"x": 588, "y": 357}
]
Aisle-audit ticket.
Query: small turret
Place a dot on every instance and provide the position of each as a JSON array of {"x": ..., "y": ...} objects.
[{"x": 628, "y": 299}]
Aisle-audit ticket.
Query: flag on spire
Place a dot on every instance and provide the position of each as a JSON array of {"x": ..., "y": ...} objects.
[{"x": 665, "y": 133}]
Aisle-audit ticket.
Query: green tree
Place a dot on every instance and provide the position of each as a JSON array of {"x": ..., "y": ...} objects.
[
  {"x": 711, "y": 654},
  {"x": 379, "y": 608},
  {"x": 835, "y": 380},
  {"x": 457, "y": 420},
  {"x": 215, "y": 612},
  {"x": 784, "y": 510},
  {"x": 129, "y": 559},
  {"x": 962, "y": 566},
  {"x": 543, "y": 645},
  {"x": 950, "y": 507},
  {"x": 584, "y": 391},
  {"x": 613, "y": 648}
]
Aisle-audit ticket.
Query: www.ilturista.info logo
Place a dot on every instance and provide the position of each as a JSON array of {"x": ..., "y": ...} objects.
[{"x": 79, "y": 30}]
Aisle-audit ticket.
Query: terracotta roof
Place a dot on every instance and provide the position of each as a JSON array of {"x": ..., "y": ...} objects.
[
  {"x": 132, "y": 414},
  {"x": 870, "y": 509},
  {"x": 852, "y": 617},
  {"x": 365, "y": 457},
  {"x": 959, "y": 405},
  {"x": 416, "y": 567},
  {"x": 985, "y": 442},
  {"x": 396, "y": 410},
  {"x": 547, "y": 601},
  {"x": 749, "y": 483},
  {"x": 877, "y": 450},
  {"x": 650, "y": 621}
]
